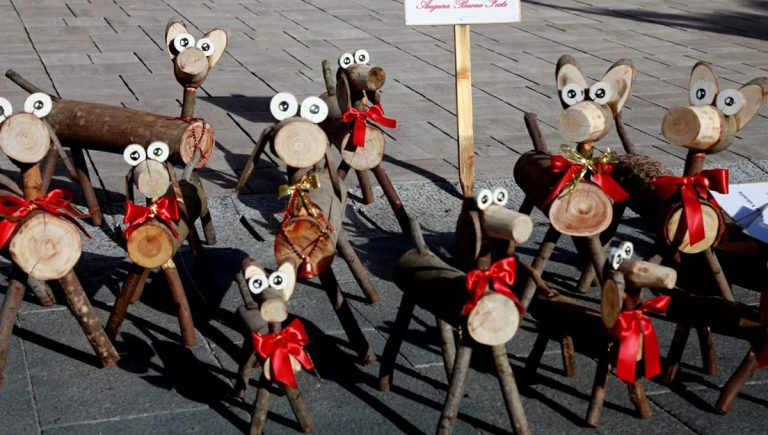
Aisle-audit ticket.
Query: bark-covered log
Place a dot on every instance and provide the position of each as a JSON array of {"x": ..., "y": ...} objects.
[
  {"x": 724, "y": 317},
  {"x": 641, "y": 274}
]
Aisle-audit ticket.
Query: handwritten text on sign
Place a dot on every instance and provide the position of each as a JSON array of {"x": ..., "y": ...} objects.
[{"x": 438, "y": 12}]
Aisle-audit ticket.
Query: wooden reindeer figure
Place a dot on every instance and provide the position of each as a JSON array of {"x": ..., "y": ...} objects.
[
  {"x": 40, "y": 231},
  {"x": 311, "y": 230},
  {"x": 620, "y": 321},
  {"x": 478, "y": 302},
  {"x": 558, "y": 184},
  {"x": 154, "y": 233},
  {"x": 279, "y": 351},
  {"x": 682, "y": 209}
]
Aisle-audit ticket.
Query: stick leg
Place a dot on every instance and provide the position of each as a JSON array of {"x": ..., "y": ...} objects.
[
  {"x": 393, "y": 198},
  {"x": 136, "y": 295},
  {"x": 736, "y": 382},
  {"x": 248, "y": 360},
  {"x": 42, "y": 291},
  {"x": 261, "y": 407},
  {"x": 448, "y": 345},
  {"x": 342, "y": 170},
  {"x": 299, "y": 408},
  {"x": 534, "y": 358},
  {"x": 675, "y": 353},
  {"x": 81, "y": 308},
  {"x": 186, "y": 325},
  {"x": 509, "y": 390},
  {"x": 11, "y": 304},
  {"x": 396, "y": 337},
  {"x": 455, "y": 391},
  {"x": 527, "y": 206},
  {"x": 50, "y": 167},
  {"x": 346, "y": 317},
  {"x": 116, "y": 317},
  {"x": 85, "y": 182},
  {"x": 598, "y": 390},
  {"x": 707, "y": 347},
  {"x": 569, "y": 356},
  {"x": 718, "y": 275},
  {"x": 209, "y": 232},
  {"x": 355, "y": 266},
  {"x": 365, "y": 186},
  {"x": 637, "y": 396},
  {"x": 541, "y": 260}
]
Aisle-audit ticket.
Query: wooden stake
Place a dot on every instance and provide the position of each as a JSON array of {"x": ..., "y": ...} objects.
[{"x": 464, "y": 108}]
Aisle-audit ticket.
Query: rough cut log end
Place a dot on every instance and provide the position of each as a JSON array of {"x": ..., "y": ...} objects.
[
  {"x": 191, "y": 67},
  {"x": 503, "y": 223},
  {"x": 643, "y": 274},
  {"x": 494, "y": 320},
  {"x": 611, "y": 301},
  {"x": 151, "y": 245},
  {"x": 45, "y": 246},
  {"x": 367, "y": 157},
  {"x": 693, "y": 127},
  {"x": 25, "y": 138},
  {"x": 583, "y": 122},
  {"x": 299, "y": 143},
  {"x": 365, "y": 77},
  {"x": 676, "y": 234},
  {"x": 151, "y": 178},
  {"x": 274, "y": 309},
  {"x": 198, "y": 134},
  {"x": 303, "y": 236},
  {"x": 586, "y": 211}
]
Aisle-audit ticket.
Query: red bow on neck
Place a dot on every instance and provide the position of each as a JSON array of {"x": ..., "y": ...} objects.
[
  {"x": 501, "y": 274},
  {"x": 375, "y": 113},
  {"x": 280, "y": 347},
  {"x": 690, "y": 188},
  {"x": 57, "y": 202},
  {"x": 628, "y": 329},
  {"x": 165, "y": 209},
  {"x": 601, "y": 175}
]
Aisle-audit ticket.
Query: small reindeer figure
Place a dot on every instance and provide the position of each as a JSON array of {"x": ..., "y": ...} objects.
[{"x": 40, "y": 230}]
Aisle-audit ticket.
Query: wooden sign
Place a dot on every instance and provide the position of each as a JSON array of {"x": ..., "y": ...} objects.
[
  {"x": 440, "y": 12},
  {"x": 462, "y": 13}
]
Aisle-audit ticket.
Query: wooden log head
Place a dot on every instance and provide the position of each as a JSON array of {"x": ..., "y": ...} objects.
[
  {"x": 270, "y": 291},
  {"x": 45, "y": 246},
  {"x": 357, "y": 82},
  {"x": 149, "y": 172},
  {"x": 192, "y": 60},
  {"x": 710, "y": 123},
  {"x": 484, "y": 218},
  {"x": 590, "y": 110},
  {"x": 298, "y": 140},
  {"x": 25, "y": 136}
]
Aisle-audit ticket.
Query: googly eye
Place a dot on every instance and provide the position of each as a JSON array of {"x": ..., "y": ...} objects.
[
  {"x": 484, "y": 198},
  {"x": 500, "y": 196},
  {"x": 345, "y": 60},
  {"x": 206, "y": 45},
  {"x": 616, "y": 257},
  {"x": 158, "y": 151},
  {"x": 278, "y": 280},
  {"x": 6, "y": 109},
  {"x": 182, "y": 41},
  {"x": 362, "y": 56},
  {"x": 283, "y": 106},
  {"x": 600, "y": 93},
  {"x": 38, "y": 104},
  {"x": 134, "y": 154},
  {"x": 628, "y": 249},
  {"x": 702, "y": 93},
  {"x": 257, "y": 283},
  {"x": 572, "y": 93},
  {"x": 730, "y": 101},
  {"x": 314, "y": 109}
]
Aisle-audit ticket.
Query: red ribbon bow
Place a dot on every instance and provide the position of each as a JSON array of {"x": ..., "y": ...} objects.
[
  {"x": 690, "y": 188},
  {"x": 57, "y": 202},
  {"x": 374, "y": 113},
  {"x": 628, "y": 329},
  {"x": 166, "y": 209},
  {"x": 280, "y": 347},
  {"x": 501, "y": 274},
  {"x": 601, "y": 175}
]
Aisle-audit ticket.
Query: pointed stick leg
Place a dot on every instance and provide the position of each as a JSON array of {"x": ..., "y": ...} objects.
[
  {"x": 186, "y": 325},
  {"x": 396, "y": 337},
  {"x": 707, "y": 347},
  {"x": 637, "y": 396},
  {"x": 120, "y": 308},
  {"x": 448, "y": 345},
  {"x": 342, "y": 170},
  {"x": 598, "y": 390},
  {"x": 569, "y": 356},
  {"x": 85, "y": 183},
  {"x": 541, "y": 260},
  {"x": 249, "y": 359},
  {"x": 50, "y": 169},
  {"x": 139, "y": 289},
  {"x": 261, "y": 407},
  {"x": 509, "y": 391},
  {"x": 42, "y": 291},
  {"x": 718, "y": 274},
  {"x": 393, "y": 198},
  {"x": 11, "y": 304},
  {"x": 455, "y": 391},
  {"x": 736, "y": 382},
  {"x": 534, "y": 358},
  {"x": 347, "y": 319},
  {"x": 675, "y": 353},
  {"x": 81, "y": 308},
  {"x": 355, "y": 266},
  {"x": 299, "y": 408},
  {"x": 365, "y": 186}
]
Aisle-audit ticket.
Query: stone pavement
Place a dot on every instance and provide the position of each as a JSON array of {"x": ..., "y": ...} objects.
[{"x": 111, "y": 51}]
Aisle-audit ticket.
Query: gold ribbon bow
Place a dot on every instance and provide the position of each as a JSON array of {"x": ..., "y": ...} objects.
[
  {"x": 576, "y": 167},
  {"x": 304, "y": 185}
]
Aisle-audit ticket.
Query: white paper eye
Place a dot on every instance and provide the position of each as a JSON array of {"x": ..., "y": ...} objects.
[
  {"x": 158, "y": 151},
  {"x": 206, "y": 45},
  {"x": 500, "y": 196},
  {"x": 616, "y": 257},
  {"x": 572, "y": 94},
  {"x": 134, "y": 154},
  {"x": 702, "y": 93},
  {"x": 38, "y": 104},
  {"x": 314, "y": 109},
  {"x": 484, "y": 198},
  {"x": 257, "y": 283},
  {"x": 600, "y": 93},
  {"x": 362, "y": 56},
  {"x": 278, "y": 280},
  {"x": 6, "y": 109},
  {"x": 182, "y": 41},
  {"x": 345, "y": 60},
  {"x": 283, "y": 106},
  {"x": 730, "y": 101},
  {"x": 628, "y": 249}
]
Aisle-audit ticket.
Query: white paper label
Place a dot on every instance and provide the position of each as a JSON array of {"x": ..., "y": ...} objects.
[{"x": 439, "y": 12}]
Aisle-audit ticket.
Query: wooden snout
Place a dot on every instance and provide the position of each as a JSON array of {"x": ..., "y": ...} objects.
[
  {"x": 701, "y": 128},
  {"x": 191, "y": 67},
  {"x": 365, "y": 77},
  {"x": 25, "y": 138},
  {"x": 151, "y": 178},
  {"x": 585, "y": 121},
  {"x": 502, "y": 223},
  {"x": 271, "y": 302}
]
